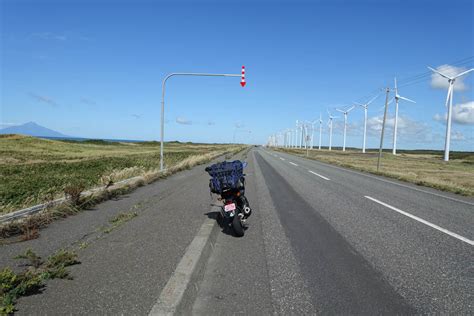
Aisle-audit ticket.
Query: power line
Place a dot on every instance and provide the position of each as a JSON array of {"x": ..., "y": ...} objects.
[
  {"x": 460, "y": 62},
  {"x": 425, "y": 76}
]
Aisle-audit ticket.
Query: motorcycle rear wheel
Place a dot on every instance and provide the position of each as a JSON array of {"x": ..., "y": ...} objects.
[{"x": 237, "y": 226}]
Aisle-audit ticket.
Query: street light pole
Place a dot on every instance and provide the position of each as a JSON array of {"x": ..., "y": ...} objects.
[{"x": 163, "y": 101}]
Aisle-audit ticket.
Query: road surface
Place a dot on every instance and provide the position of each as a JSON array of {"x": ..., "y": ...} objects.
[
  {"x": 322, "y": 239},
  {"x": 330, "y": 236}
]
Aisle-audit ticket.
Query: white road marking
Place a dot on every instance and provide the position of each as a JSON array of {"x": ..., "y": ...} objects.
[
  {"x": 317, "y": 174},
  {"x": 197, "y": 252},
  {"x": 441, "y": 229},
  {"x": 294, "y": 164},
  {"x": 282, "y": 158},
  {"x": 391, "y": 182}
]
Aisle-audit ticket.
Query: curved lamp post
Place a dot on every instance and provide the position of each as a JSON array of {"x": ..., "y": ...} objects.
[{"x": 163, "y": 99}]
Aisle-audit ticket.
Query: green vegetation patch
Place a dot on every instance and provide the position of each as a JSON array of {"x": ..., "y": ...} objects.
[
  {"x": 119, "y": 220},
  {"x": 31, "y": 280}
]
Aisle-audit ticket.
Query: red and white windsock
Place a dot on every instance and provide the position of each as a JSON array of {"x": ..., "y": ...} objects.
[{"x": 242, "y": 81}]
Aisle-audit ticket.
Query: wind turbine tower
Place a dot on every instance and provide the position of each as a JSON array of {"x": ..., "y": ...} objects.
[
  {"x": 345, "y": 112},
  {"x": 320, "y": 130},
  {"x": 330, "y": 129},
  {"x": 365, "y": 106},
  {"x": 449, "y": 104},
  {"x": 397, "y": 98}
]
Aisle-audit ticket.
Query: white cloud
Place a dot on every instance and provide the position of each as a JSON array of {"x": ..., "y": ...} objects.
[
  {"x": 440, "y": 118},
  {"x": 42, "y": 98},
  {"x": 183, "y": 121},
  {"x": 352, "y": 128},
  {"x": 49, "y": 36},
  {"x": 462, "y": 114},
  {"x": 439, "y": 82},
  {"x": 88, "y": 101},
  {"x": 457, "y": 136},
  {"x": 417, "y": 131},
  {"x": 6, "y": 124}
]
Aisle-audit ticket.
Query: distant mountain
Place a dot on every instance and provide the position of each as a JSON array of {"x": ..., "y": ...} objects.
[{"x": 31, "y": 129}]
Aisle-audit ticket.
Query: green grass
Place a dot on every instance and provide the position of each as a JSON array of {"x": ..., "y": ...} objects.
[
  {"x": 37, "y": 170},
  {"x": 119, "y": 220},
  {"x": 32, "y": 279},
  {"x": 422, "y": 167}
]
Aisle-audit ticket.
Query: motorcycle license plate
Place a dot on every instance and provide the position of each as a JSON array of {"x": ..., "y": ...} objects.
[{"x": 229, "y": 207}]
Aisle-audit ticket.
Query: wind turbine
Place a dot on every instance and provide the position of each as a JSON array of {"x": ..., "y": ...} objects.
[
  {"x": 330, "y": 129},
  {"x": 345, "y": 112},
  {"x": 320, "y": 129},
  {"x": 365, "y": 106},
  {"x": 397, "y": 97},
  {"x": 449, "y": 99},
  {"x": 304, "y": 135},
  {"x": 296, "y": 134},
  {"x": 289, "y": 137}
]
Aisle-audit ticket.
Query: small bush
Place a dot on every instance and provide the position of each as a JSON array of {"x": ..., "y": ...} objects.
[
  {"x": 33, "y": 259},
  {"x": 31, "y": 280},
  {"x": 13, "y": 285},
  {"x": 73, "y": 193}
]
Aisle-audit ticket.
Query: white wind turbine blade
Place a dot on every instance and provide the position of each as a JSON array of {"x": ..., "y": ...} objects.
[
  {"x": 439, "y": 73},
  {"x": 449, "y": 93},
  {"x": 350, "y": 109},
  {"x": 396, "y": 89},
  {"x": 465, "y": 72},
  {"x": 373, "y": 99},
  {"x": 406, "y": 99},
  {"x": 360, "y": 104},
  {"x": 340, "y": 110}
]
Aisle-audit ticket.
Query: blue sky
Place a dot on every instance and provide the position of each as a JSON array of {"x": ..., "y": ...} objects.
[{"x": 94, "y": 68}]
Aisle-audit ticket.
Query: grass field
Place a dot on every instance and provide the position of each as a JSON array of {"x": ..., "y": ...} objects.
[
  {"x": 37, "y": 170},
  {"x": 422, "y": 167}
]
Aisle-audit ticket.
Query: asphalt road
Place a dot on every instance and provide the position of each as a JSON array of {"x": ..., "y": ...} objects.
[
  {"x": 124, "y": 271},
  {"x": 322, "y": 240},
  {"x": 333, "y": 241}
]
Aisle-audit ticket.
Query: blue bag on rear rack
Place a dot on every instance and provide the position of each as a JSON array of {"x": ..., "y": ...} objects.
[{"x": 226, "y": 175}]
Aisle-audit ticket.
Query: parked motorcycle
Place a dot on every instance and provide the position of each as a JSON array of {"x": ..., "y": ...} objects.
[{"x": 228, "y": 180}]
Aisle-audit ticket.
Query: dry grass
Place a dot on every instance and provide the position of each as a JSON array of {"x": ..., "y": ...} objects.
[
  {"x": 35, "y": 171},
  {"x": 426, "y": 169},
  {"x": 28, "y": 228}
]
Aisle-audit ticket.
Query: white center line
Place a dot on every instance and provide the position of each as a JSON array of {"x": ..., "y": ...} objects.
[
  {"x": 282, "y": 158},
  {"x": 317, "y": 174},
  {"x": 294, "y": 164},
  {"x": 441, "y": 229}
]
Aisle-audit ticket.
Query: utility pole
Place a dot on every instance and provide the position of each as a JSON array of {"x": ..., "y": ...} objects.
[{"x": 383, "y": 128}]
